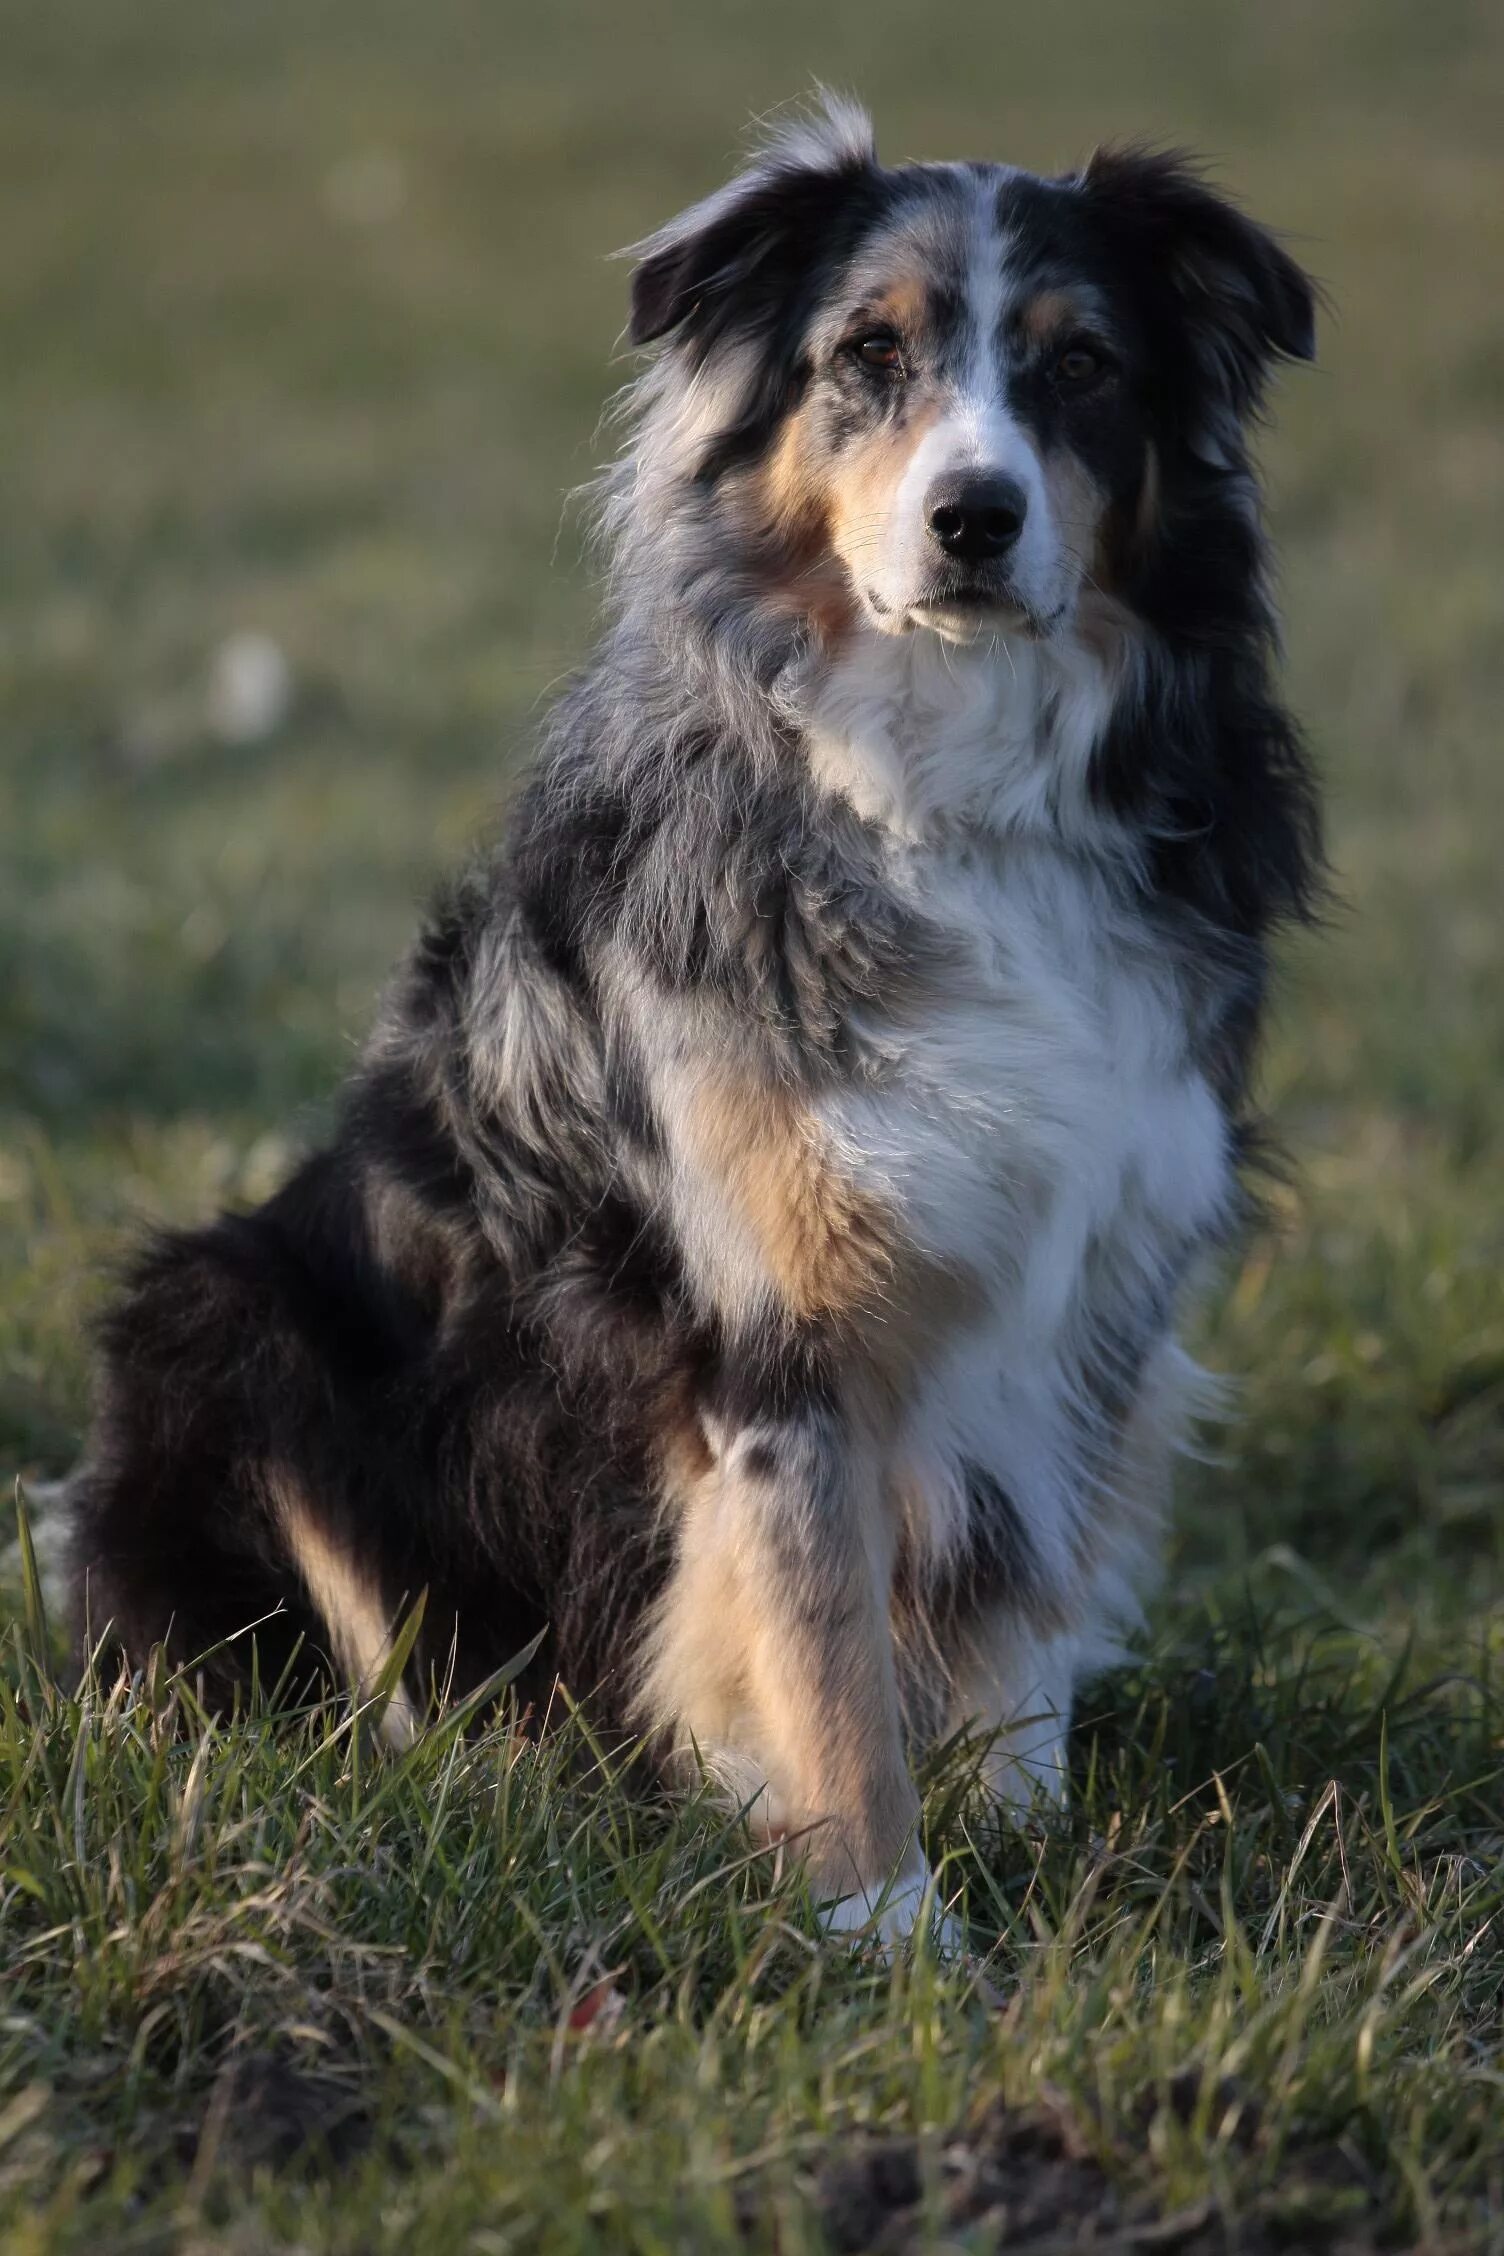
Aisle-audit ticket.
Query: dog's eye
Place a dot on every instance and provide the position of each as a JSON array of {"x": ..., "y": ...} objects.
[
  {"x": 1079, "y": 366},
  {"x": 878, "y": 350}
]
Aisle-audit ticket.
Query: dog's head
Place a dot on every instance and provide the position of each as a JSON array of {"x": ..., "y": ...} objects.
[{"x": 958, "y": 397}]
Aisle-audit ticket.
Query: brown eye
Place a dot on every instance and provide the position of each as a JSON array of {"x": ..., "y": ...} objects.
[
  {"x": 879, "y": 351},
  {"x": 1078, "y": 366}
]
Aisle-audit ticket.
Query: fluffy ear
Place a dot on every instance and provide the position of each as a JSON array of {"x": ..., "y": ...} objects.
[
  {"x": 738, "y": 243},
  {"x": 1246, "y": 302}
]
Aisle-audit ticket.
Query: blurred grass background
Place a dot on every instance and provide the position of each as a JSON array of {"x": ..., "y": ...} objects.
[{"x": 308, "y": 323}]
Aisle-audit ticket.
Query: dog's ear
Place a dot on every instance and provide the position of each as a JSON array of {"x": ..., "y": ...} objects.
[
  {"x": 741, "y": 245},
  {"x": 1244, "y": 301}
]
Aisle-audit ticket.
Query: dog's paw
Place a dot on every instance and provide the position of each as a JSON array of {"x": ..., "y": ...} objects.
[{"x": 891, "y": 1913}]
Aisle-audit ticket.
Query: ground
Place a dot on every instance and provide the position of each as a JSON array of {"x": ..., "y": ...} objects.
[{"x": 308, "y": 327}]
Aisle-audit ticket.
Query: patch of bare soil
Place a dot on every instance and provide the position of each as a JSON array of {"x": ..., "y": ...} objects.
[
  {"x": 1025, "y": 2179},
  {"x": 266, "y": 2113}
]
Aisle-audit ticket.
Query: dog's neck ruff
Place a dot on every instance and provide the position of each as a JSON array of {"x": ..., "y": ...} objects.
[{"x": 925, "y": 739}]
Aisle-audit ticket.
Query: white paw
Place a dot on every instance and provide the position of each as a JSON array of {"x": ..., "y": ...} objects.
[{"x": 887, "y": 1914}]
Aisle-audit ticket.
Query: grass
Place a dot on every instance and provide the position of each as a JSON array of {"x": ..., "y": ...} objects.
[{"x": 308, "y": 329}]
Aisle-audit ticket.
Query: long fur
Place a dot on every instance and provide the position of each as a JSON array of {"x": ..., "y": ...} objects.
[{"x": 749, "y": 1250}]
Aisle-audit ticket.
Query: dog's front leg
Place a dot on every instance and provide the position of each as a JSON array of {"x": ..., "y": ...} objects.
[
  {"x": 773, "y": 1657},
  {"x": 1015, "y": 1687}
]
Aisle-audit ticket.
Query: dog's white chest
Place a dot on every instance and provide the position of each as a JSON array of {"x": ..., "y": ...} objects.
[
  {"x": 1037, "y": 1122},
  {"x": 1036, "y": 1115}
]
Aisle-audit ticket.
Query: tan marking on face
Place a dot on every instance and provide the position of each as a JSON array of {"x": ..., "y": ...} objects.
[
  {"x": 904, "y": 304},
  {"x": 828, "y": 1244},
  {"x": 1079, "y": 509},
  {"x": 862, "y": 484},
  {"x": 785, "y": 509},
  {"x": 811, "y": 497},
  {"x": 818, "y": 514},
  {"x": 1048, "y": 315},
  {"x": 788, "y": 489}
]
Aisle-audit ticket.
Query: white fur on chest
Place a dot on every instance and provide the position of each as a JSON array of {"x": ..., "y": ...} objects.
[
  {"x": 1035, "y": 1116},
  {"x": 1043, "y": 1086},
  {"x": 1038, "y": 1098}
]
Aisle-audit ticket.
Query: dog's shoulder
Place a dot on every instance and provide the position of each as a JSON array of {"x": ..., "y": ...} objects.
[{"x": 711, "y": 869}]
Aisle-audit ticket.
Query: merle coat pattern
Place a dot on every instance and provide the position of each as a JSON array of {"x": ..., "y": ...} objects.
[{"x": 748, "y": 1254}]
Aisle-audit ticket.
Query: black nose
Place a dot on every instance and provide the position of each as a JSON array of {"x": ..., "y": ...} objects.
[{"x": 976, "y": 517}]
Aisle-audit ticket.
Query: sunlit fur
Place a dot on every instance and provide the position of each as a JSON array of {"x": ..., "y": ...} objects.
[{"x": 749, "y": 1253}]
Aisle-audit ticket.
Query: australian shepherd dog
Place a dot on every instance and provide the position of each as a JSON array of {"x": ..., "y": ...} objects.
[{"x": 747, "y": 1258}]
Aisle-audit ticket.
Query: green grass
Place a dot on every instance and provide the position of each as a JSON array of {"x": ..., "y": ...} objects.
[{"x": 307, "y": 330}]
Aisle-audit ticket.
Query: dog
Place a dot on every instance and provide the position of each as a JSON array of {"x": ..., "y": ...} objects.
[{"x": 746, "y": 1264}]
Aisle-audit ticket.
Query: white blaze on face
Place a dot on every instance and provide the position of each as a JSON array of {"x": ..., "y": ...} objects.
[{"x": 976, "y": 431}]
